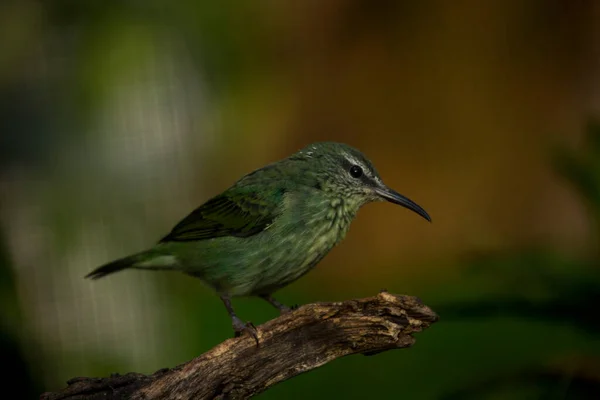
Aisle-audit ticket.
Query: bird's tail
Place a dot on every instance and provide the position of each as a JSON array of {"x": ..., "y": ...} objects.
[{"x": 144, "y": 260}]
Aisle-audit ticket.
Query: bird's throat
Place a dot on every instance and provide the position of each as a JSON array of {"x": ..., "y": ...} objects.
[{"x": 340, "y": 214}]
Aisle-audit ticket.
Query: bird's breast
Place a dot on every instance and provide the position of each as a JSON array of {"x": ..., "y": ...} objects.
[
  {"x": 308, "y": 231},
  {"x": 305, "y": 231}
]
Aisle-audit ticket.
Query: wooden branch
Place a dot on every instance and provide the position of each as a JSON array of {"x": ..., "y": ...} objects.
[{"x": 291, "y": 344}]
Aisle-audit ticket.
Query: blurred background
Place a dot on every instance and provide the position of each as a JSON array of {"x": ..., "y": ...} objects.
[{"x": 117, "y": 118}]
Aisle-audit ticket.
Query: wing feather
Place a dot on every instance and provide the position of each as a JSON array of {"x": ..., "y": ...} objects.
[{"x": 239, "y": 212}]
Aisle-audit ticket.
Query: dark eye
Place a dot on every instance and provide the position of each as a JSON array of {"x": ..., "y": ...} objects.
[{"x": 356, "y": 171}]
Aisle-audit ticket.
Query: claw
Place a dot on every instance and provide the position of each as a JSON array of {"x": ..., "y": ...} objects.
[{"x": 239, "y": 327}]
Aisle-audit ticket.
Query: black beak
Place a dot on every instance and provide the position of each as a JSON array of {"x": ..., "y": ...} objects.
[{"x": 396, "y": 198}]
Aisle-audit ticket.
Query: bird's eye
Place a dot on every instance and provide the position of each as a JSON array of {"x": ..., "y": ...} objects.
[{"x": 356, "y": 171}]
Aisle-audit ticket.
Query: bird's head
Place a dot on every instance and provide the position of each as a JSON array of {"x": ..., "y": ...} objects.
[{"x": 344, "y": 171}]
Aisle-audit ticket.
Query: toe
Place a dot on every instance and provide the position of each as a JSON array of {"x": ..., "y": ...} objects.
[
  {"x": 240, "y": 327},
  {"x": 285, "y": 309}
]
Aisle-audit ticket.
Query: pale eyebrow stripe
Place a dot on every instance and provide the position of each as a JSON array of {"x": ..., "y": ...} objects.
[{"x": 354, "y": 161}]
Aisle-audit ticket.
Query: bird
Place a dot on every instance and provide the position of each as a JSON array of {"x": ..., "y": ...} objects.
[{"x": 270, "y": 227}]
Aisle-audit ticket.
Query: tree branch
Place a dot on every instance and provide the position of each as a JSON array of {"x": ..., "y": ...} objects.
[{"x": 291, "y": 344}]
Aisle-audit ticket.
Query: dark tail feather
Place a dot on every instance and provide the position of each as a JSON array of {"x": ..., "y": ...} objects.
[{"x": 115, "y": 266}]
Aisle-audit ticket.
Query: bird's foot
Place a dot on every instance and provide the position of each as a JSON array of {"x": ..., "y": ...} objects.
[
  {"x": 283, "y": 309},
  {"x": 239, "y": 327}
]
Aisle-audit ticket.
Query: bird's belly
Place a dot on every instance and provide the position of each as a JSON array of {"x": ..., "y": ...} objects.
[
  {"x": 277, "y": 266},
  {"x": 277, "y": 272},
  {"x": 259, "y": 264}
]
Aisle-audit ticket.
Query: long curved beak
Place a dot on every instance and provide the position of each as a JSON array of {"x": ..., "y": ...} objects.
[{"x": 394, "y": 197}]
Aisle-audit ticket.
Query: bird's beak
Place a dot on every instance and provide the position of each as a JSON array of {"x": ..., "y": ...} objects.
[{"x": 394, "y": 197}]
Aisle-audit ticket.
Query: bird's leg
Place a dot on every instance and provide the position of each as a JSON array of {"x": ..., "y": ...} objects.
[
  {"x": 281, "y": 307},
  {"x": 238, "y": 325}
]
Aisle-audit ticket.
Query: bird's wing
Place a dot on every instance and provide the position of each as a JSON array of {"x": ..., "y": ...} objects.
[{"x": 237, "y": 212}]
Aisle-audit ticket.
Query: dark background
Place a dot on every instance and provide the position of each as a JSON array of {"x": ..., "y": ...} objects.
[{"x": 117, "y": 118}]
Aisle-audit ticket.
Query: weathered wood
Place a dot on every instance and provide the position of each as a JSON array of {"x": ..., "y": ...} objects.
[{"x": 289, "y": 345}]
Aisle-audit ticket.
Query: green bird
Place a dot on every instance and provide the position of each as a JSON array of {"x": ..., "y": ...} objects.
[{"x": 271, "y": 227}]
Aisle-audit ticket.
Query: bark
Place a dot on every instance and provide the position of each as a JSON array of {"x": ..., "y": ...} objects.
[{"x": 291, "y": 344}]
